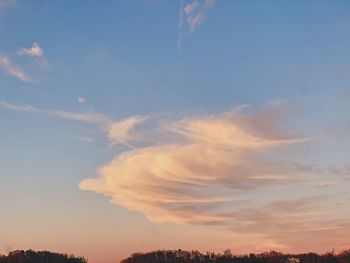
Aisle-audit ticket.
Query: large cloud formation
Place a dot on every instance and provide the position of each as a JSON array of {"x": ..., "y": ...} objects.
[
  {"x": 244, "y": 171},
  {"x": 206, "y": 162},
  {"x": 239, "y": 170}
]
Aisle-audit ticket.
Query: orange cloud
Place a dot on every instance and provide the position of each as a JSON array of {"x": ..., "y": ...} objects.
[
  {"x": 233, "y": 170},
  {"x": 122, "y": 131},
  {"x": 209, "y": 161}
]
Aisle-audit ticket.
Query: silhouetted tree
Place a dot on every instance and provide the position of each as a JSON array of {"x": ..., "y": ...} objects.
[
  {"x": 194, "y": 256},
  {"x": 31, "y": 256}
]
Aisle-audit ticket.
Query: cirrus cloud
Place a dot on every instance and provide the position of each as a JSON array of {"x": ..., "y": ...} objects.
[
  {"x": 234, "y": 170},
  {"x": 15, "y": 71},
  {"x": 192, "y": 15},
  {"x": 90, "y": 117},
  {"x": 208, "y": 162}
]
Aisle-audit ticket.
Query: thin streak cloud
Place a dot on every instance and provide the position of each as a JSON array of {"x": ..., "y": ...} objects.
[
  {"x": 91, "y": 117},
  {"x": 119, "y": 132},
  {"x": 14, "y": 107},
  {"x": 15, "y": 71}
]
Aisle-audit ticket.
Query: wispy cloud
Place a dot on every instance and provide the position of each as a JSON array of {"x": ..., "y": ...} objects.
[
  {"x": 34, "y": 51},
  {"x": 14, "y": 107},
  {"x": 82, "y": 117},
  {"x": 8, "y": 66},
  {"x": 234, "y": 170},
  {"x": 91, "y": 117},
  {"x": 15, "y": 71},
  {"x": 299, "y": 224},
  {"x": 192, "y": 15},
  {"x": 119, "y": 132},
  {"x": 184, "y": 179},
  {"x": 122, "y": 132}
]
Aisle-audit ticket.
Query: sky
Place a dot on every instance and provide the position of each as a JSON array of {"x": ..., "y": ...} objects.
[{"x": 137, "y": 125}]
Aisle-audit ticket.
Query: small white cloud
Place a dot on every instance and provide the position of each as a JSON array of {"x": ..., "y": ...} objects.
[
  {"x": 14, "y": 71},
  {"x": 81, "y": 100},
  {"x": 34, "y": 51}
]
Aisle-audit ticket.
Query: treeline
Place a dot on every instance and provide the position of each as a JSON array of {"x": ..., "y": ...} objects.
[
  {"x": 181, "y": 256},
  {"x": 31, "y": 256}
]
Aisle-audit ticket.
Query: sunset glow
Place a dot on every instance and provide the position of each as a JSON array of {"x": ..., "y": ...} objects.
[{"x": 205, "y": 125}]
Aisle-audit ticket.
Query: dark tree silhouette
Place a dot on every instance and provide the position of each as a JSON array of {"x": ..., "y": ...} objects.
[
  {"x": 31, "y": 256},
  {"x": 180, "y": 256}
]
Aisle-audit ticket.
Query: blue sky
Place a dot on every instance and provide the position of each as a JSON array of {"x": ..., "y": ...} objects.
[
  {"x": 125, "y": 50},
  {"x": 83, "y": 83}
]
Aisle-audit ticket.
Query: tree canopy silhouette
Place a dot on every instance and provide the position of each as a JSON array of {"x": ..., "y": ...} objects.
[
  {"x": 31, "y": 256},
  {"x": 181, "y": 256}
]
